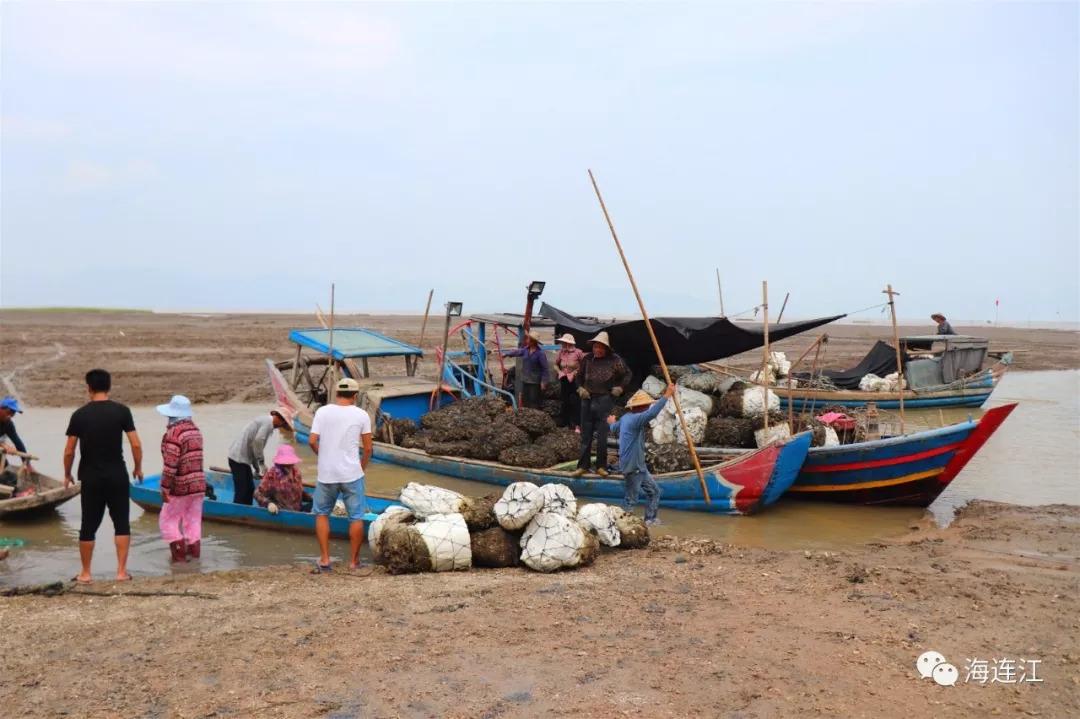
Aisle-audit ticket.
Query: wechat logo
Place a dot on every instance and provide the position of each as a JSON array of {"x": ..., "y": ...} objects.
[{"x": 932, "y": 665}]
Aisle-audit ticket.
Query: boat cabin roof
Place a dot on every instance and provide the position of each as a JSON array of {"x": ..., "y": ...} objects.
[
  {"x": 510, "y": 319},
  {"x": 351, "y": 342},
  {"x": 967, "y": 340}
]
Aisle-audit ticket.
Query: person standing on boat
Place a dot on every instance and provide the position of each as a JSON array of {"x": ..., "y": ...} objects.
[
  {"x": 630, "y": 429},
  {"x": 183, "y": 482},
  {"x": 943, "y": 326},
  {"x": 98, "y": 428},
  {"x": 337, "y": 433},
  {"x": 534, "y": 369},
  {"x": 246, "y": 456},
  {"x": 567, "y": 363},
  {"x": 282, "y": 487},
  {"x": 602, "y": 377}
]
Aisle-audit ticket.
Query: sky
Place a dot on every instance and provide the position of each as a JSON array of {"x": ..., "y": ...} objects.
[{"x": 245, "y": 155}]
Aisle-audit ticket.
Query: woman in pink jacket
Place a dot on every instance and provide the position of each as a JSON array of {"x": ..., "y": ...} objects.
[
  {"x": 183, "y": 483},
  {"x": 567, "y": 363}
]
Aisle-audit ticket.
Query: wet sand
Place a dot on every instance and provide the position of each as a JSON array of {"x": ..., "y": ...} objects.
[
  {"x": 219, "y": 358},
  {"x": 684, "y": 628}
]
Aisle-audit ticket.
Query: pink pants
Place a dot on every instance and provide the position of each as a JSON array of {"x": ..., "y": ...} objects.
[{"x": 185, "y": 510}]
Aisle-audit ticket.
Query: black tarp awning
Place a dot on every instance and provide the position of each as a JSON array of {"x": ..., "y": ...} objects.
[
  {"x": 683, "y": 340},
  {"x": 880, "y": 361}
]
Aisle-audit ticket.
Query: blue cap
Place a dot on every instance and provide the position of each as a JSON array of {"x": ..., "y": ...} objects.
[{"x": 10, "y": 403}]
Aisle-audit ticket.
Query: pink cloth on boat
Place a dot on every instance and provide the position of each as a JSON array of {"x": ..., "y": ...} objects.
[
  {"x": 831, "y": 417},
  {"x": 185, "y": 511}
]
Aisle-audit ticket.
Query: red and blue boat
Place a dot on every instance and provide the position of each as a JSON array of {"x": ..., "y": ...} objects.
[{"x": 907, "y": 470}]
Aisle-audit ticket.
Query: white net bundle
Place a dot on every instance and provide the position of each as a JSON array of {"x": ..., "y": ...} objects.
[
  {"x": 633, "y": 533},
  {"x": 754, "y": 401},
  {"x": 439, "y": 543},
  {"x": 777, "y": 432},
  {"x": 558, "y": 500},
  {"x": 653, "y": 386},
  {"x": 447, "y": 540},
  {"x": 666, "y": 428},
  {"x": 599, "y": 518},
  {"x": 553, "y": 541},
  {"x": 519, "y": 504},
  {"x": 699, "y": 381},
  {"x": 425, "y": 500},
  {"x": 339, "y": 509},
  {"x": 394, "y": 513}
]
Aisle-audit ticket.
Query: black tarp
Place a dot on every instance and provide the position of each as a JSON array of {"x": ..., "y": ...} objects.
[
  {"x": 683, "y": 340},
  {"x": 880, "y": 360}
]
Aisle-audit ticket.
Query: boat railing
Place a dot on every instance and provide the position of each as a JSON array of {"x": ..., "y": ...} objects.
[{"x": 454, "y": 373}]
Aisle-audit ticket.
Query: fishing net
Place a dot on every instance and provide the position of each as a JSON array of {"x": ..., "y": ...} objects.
[
  {"x": 487, "y": 406},
  {"x": 731, "y": 404},
  {"x": 553, "y": 541},
  {"x": 462, "y": 428},
  {"x": 438, "y": 543},
  {"x": 666, "y": 428},
  {"x": 495, "y": 547},
  {"x": 664, "y": 458},
  {"x": 425, "y": 500},
  {"x": 633, "y": 533},
  {"x": 552, "y": 391},
  {"x": 599, "y": 518},
  {"x": 528, "y": 455},
  {"x": 700, "y": 381},
  {"x": 393, "y": 513},
  {"x": 447, "y": 449},
  {"x": 488, "y": 442},
  {"x": 729, "y": 432},
  {"x": 558, "y": 499},
  {"x": 519, "y": 503},
  {"x": 533, "y": 421},
  {"x": 401, "y": 428},
  {"x": 564, "y": 443},
  {"x": 552, "y": 408},
  {"x": 653, "y": 386},
  {"x": 479, "y": 512},
  {"x": 754, "y": 401},
  {"x": 675, "y": 371},
  {"x": 414, "y": 441}
]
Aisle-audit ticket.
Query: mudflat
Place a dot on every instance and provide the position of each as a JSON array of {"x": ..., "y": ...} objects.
[
  {"x": 219, "y": 357},
  {"x": 683, "y": 628}
]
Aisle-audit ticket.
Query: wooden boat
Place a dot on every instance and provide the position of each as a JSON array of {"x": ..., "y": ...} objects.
[
  {"x": 909, "y": 470},
  {"x": 744, "y": 484},
  {"x": 48, "y": 494},
  {"x": 148, "y": 496}
]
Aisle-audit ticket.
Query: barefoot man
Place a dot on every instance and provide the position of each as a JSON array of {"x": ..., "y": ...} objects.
[
  {"x": 98, "y": 428},
  {"x": 336, "y": 435}
]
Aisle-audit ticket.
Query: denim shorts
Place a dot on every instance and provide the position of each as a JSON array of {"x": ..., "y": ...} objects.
[{"x": 352, "y": 494}]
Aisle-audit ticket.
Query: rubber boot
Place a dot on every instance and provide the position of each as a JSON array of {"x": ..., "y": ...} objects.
[
  {"x": 179, "y": 551},
  {"x": 193, "y": 550}
]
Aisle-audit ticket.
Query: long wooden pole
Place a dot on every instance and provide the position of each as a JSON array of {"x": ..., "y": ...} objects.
[
  {"x": 720, "y": 289},
  {"x": 813, "y": 370},
  {"x": 423, "y": 327},
  {"x": 896, "y": 341},
  {"x": 442, "y": 359},
  {"x": 765, "y": 359},
  {"x": 333, "y": 385},
  {"x": 656, "y": 344},
  {"x": 782, "y": 307}
]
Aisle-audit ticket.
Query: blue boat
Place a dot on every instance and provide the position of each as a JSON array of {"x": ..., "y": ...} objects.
[
  {"x": 148, "y": 496},
  {"x": 908, "y": 470},
  {"x": 744, "y": 484}
]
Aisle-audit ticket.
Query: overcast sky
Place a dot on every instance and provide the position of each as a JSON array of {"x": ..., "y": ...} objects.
[{"x": 244, "y": 155}]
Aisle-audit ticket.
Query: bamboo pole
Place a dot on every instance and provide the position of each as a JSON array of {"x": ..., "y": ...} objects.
[
  {"x": 813, "y": 369},
  {"x": 896, "y": 340},
  {"x": 423, "y": 327},
  {"x": 442, "y": 359},
  {"x": 765, "y": 358},
  {"x": 791, "y": 390},
  {"x": 781, "y": 315},
  {"x": 332, "y": 394},
  {"x": 656, "y": 344},
  {"x": 720, "y": 289}
]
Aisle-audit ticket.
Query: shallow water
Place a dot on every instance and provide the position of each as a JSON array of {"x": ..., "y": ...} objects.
[{"x": 1033, "y": 459}]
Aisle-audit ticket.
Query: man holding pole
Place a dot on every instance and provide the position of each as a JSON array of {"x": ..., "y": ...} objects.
[
  {"x": 602, "y": 377},
  {"x": 631, "y": 432}
]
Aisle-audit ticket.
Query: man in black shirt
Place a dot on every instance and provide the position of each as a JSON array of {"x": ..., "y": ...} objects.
[{"x": 98, "y": 427}]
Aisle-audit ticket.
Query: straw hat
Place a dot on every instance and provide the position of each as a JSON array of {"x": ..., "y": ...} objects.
[
  {"x": 534, "y": 335},
  {"x": 639, "y": 399},
  {"x": 286, "y": 415},
  {"x": 286, "y": 455},
  {"x": 567, "y": 339},
  {"x": 936, "y": 315},
  {"x": 602, "y": 338},
  {"x": 179, "y": 407}
]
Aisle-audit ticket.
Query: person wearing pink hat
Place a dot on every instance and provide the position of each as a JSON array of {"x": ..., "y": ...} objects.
[
  {"x": 282, "y": 486},
  {"x": 246, "y": 459}
]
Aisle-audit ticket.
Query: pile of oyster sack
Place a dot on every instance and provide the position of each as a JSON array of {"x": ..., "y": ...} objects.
[{"x": 542, "y": 528}]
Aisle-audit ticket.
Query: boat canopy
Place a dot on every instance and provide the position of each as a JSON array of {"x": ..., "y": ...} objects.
[
  {"x": 353, "y": 342},
  {"x": 685, "y": 340},
  {"x": 509, "y": 319}
]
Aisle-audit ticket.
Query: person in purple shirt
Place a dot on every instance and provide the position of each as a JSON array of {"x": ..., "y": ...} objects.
[
  {"x": 534, "y": 369},
  {"x": 630, "y": 429}
]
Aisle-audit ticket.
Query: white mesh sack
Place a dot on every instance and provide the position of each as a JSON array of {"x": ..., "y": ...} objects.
[
  {"x": 892, "y": 382},
  {"x": 633, "y": 532},
  {"x": 653, "y": 386},
  {"x": 425, "y": 500},
  {"x": 696, "y": 421},
  {"x": 689, "y": 398},
  {"x": 519, "y": 504},
  {"x": 753, "y": 401},
  {"x": 376, "y": 528},
  {"x": 768, "y": 378},
  {"x": 339, "y": 509},
  {"x": 447, "y": 540},
  {"x": 662, "y": 428},
  {"x": 552, "y": 541},
  {"x": 831, "y": 440},
  {"x": 699, "y": 381},
  {"x": 776, "y": 432},
  {"x": 779, "y": 363},
  {"x": 558, "y": 500},
  {"x": 598, "y": 518},
  {"x": 872, "y": 383}
]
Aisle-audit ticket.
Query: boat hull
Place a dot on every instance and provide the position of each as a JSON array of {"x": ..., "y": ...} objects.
[
  {"x": 743, "y": 485},
  {"x": 911, "y": 470},
  {"x": 50, "y": 495},
  {"x": 148, "y": 496}
]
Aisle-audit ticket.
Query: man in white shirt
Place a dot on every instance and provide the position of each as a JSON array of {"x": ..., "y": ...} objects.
[{"x": 337, "y": 433}]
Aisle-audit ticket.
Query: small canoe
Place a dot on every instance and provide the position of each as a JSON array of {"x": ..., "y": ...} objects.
[
  {"x": 972, "y": 392},
  {"x": 48, "y": 494},
  {"x": 148, "y": 496},
  {"x": 909, "y": 470},
  {"x": 744, "y": 484}
]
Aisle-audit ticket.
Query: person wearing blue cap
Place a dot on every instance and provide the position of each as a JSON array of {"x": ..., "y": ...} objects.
[{"x": 9, "y": 407}]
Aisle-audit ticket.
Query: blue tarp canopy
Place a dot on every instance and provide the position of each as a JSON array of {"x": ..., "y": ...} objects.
[{"x": 353, "y": 342}]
